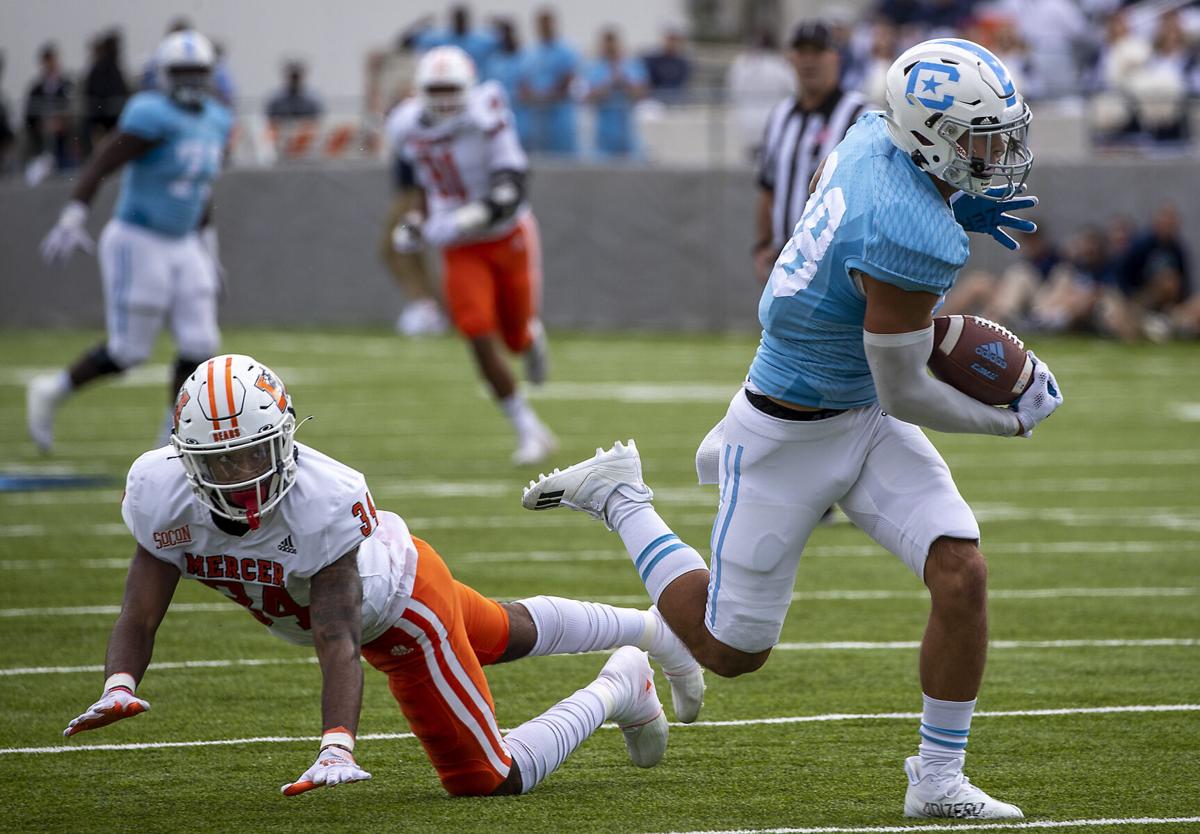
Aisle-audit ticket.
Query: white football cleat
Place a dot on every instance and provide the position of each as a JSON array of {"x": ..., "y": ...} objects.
[
  {"x": 422, "y": 317},
  {"x": 638, "y": 712},
  {"x": 587, "y": 485},
  {"x": 950, "y": 795},
  {"x": 42, "y": 396},
  {"x": 685, "y": 675},
  {"x": 534, "y": 447},
  {"x": 537, "y": 355}
]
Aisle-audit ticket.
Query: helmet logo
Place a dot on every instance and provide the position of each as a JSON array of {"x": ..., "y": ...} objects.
[
  {"x": 274, "y": 388},
  {"x": 221, "y": 435},
  {"x": 930, "y": 76},
  {"x": 184, "y": 399}
]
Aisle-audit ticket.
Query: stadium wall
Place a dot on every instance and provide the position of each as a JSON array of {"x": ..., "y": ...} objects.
[{"x": 627, "y": 247}]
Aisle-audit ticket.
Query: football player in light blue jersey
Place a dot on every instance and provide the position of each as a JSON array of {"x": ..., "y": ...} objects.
[
  {"x": 154, "y": 266},
  {"x": 831, "y": 408}
]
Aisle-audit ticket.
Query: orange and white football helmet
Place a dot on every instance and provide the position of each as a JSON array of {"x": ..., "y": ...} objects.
[
  {"x": 445, "y": 76},
  {"x": 234, "y": 429}
]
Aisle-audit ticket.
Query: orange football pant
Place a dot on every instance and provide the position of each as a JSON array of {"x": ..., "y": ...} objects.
[
  {"x": 495, "y": 286},
  {"x": 433, "y": 658}
]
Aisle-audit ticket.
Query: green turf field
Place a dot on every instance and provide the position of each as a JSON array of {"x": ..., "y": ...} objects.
[{"x": 1092, "y": 530}]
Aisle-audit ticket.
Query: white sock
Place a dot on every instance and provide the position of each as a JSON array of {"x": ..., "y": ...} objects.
[
  {"x": 63, "y": 386},
  {"x": 520, "y": 414},
  {"x": 541, "y": 744},
  {"x": 945, "y": 726},
  {"x": 658, "y": 554},
  {"x": 568, "y": 626}
]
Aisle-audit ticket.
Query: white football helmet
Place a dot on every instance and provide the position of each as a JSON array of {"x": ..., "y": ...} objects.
[
  {"x": 234, "y": 428},
  {"x": 953, "y": 108},
  {"x": 185, "y": 60},
  {"x": 445, "y": 75}
]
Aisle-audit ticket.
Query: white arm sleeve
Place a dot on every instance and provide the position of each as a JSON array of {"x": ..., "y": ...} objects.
[{"x": 907, "y": 391}]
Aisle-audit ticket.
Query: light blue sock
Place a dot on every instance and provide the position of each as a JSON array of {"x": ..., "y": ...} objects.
[{"x": 658, "y": 554}]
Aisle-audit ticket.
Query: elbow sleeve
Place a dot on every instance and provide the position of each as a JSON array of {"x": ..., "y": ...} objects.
[{"x": 907, "y": 391}]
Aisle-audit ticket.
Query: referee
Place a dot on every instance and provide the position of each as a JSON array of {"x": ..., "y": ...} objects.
[{"x": 800, "y": 132}]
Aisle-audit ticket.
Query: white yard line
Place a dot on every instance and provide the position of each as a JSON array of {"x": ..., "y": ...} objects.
[
  {"x": 112, "y": 610},
  {"x": 836, "y": 551},
  {"x": 1026, "y": 593},
  {"x": 1184, "y": 519},
  {"x": 1029, "y": 593},
  {"x": 832, "y": 646},
  {"x": 962, "y": 826},
  {"x": 746, "y": 722}
]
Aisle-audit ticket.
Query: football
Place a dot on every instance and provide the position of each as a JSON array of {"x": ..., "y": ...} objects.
[{"x": 980, "y": 358}]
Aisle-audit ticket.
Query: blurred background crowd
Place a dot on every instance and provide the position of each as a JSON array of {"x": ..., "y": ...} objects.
[{"x": 1105, "y": 77}]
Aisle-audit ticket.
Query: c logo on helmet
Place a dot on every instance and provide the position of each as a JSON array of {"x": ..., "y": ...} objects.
[
  {"x": 927, "y": 75},
  {"x": 274, "y": 387}
]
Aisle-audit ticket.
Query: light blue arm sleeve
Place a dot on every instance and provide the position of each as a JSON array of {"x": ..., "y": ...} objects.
[{"x": 145, "y": 116}]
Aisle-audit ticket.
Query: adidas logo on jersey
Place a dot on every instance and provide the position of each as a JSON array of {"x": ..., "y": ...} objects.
[
  {"x": 993, "y": 352},
  {"x": 286, "y": 545}
]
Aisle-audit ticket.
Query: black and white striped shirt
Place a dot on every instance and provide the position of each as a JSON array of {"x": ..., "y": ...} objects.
[{"x": 795, "y": 142}]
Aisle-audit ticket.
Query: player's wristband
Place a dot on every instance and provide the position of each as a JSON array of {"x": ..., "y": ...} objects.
[
  {"x": 339, "y": 736},
  {"x": 121, "y": 680}
]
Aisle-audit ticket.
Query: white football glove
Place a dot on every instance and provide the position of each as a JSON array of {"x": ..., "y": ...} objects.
[
  {"x": 444, "y": 229},
  {"x": 114, "y": 704},
  {"x": 1040, "y": 399},
  {"x": 68, "y": 234},
  {"x": 334, "y": 765}
]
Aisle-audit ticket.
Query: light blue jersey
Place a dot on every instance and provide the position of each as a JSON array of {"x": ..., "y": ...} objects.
[
  {"x": 874, "y": 211},
  {"x": 166, "y": 189}
]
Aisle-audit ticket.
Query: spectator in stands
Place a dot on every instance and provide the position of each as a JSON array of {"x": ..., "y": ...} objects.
[
  {"x": 1055, "y": 32},
  {"x": 48, "y": 121},
  {"x": 478, "y": 43},
  {"x": 615, "y": 82},
  {"x": 104, "y": 89},
  {"x": 505, "y": 66},
  {"x": 928, "y": 14},
  {"x": 548, "y": 72},
  {"x": 1154, "y": 278},
  {"x": 758, "y": 78},
  {"x": 1008, "y": 297},
  {"x": 885, "y": 46},
  {"x": 801, "y": 131},
  {"x": 1075, "y": 287},
  {"x": 294, "y": 101},
  {"x": 222, "y": 81},
  {"x": 669, "y": 68},
  {"x": 1160, "y": 87}
]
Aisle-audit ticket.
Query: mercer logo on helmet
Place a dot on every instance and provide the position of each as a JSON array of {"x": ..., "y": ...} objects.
[
  {"x": 222, "y": 435},
  {"x": 929, "y": 77}
]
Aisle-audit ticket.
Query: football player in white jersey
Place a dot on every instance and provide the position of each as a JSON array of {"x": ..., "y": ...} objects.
[
  {"x": 461, "y": 139},
  {"x": 294, "y": 536},
  {"x": 155, "y": 268},
  {"x": 834, "y": 397}
]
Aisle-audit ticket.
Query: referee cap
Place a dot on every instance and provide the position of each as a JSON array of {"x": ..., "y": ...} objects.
[{"x": 812, "y": 33}]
